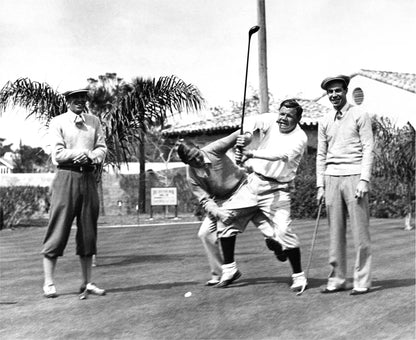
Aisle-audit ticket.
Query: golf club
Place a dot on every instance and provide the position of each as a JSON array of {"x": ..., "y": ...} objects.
[
  {"x": 252, "y": 30},
  {"x": 313, "y": 242},
  {"x": 314, "y": 237}
]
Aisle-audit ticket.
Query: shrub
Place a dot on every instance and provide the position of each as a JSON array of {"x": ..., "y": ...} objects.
[{"x": 22, "y": 202}]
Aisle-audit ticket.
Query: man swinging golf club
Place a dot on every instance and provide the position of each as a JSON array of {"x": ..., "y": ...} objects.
[
  {"x": 273, "y": 167},
  {"x": 214, "y": 178}
]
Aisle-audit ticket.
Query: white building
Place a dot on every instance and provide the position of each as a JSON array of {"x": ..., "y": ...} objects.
[{"x": 382, "y": 93}]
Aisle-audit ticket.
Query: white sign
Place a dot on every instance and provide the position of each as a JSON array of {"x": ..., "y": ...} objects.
[{"x": 164, "y": 196}]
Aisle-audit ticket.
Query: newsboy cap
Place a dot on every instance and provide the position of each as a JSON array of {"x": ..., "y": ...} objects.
[
  {"x": 342, "y": 78},
  {"x": 72, "y": 93}
]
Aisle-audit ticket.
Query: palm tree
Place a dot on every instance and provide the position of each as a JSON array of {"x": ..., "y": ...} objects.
[{"x": 126, "y": 110}]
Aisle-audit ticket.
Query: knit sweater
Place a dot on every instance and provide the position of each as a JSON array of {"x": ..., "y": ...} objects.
[
  {"x": 68, "y": 139},
  {"x": 345, "y": 146},
  {"x": 219, "y": 178}
]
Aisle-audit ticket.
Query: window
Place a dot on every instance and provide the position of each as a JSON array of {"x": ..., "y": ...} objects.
[{"x": 358, "y": 95}]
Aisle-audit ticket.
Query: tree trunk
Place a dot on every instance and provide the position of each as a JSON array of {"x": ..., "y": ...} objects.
[{"x": 142, "y": 178}]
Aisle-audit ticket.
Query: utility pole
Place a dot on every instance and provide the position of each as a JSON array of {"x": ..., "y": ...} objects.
[{"x": 263, "y": 85}]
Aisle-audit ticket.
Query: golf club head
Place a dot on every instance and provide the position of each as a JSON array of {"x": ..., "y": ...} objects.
[{"x": 253, "y": 30}]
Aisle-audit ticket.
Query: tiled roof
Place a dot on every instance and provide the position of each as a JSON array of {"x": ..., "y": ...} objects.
[
  {"x": 404, "y": 81},
  {"x": 5, "y": 163},
  {"x": 312, "y": 111}
]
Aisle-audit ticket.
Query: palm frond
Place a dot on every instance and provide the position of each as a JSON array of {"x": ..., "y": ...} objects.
[{"x": 39, "y": 99}]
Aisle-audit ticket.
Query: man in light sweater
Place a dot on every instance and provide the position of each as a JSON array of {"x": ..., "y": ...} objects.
[
  {"x": 214, "y": 178},
  {"x": 343, "y": 169},
  {"x": 273, "y": 163},
  {"x": 77, "y": 146}
]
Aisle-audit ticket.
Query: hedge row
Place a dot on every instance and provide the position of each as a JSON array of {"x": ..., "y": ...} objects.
[{"x": 388, "y": 199}]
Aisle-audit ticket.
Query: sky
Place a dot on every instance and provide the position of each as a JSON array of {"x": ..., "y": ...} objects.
[{"x": 203, "y": 42}]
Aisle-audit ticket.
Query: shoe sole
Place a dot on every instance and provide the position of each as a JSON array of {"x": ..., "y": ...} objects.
[
  {"x": 331, "y": 291},
  {"x": 226, "y": 283},
  {"x": 358, "y": 292},
  {"x": 50, "y": 296}
]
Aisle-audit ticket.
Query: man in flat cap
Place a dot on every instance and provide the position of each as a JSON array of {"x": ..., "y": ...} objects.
[
  {"x": 77, "y": 146},
  {"x": 343, "y": 169}
]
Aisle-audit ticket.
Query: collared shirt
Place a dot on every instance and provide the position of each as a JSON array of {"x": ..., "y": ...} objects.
[
  {"x": 286, "y": 148},
  {"x": 68, "y": 139},
  {"x": 79, "y": 118},
  {"x": 345, "y": 145},
  {"x": 220, "y": 176}
]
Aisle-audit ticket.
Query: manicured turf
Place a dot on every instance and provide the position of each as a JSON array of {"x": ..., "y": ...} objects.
[{"x": 148, "y": 269}]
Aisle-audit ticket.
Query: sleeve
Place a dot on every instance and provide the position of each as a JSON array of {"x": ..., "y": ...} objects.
[
  {"x": 97, "y": 155},
  {"x": 285, "y": 153},
  {"x": 60, "y": 152},
  {"x": 261, "y": 122},
  {"x": 366, "y": 136},
  {"x": 321, "y": 155},
  {"x": 222, "y": 145},
  {"x": 200, "y": 190}
]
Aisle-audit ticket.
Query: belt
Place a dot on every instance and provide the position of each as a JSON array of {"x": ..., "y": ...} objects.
[
  {"x": 77, "y": 168},
  {"x": 264, "y": 178}
]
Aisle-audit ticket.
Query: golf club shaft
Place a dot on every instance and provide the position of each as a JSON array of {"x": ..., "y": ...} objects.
[
  {"x": 314, "y": 238},
  {"x": 252, "y": 30}
]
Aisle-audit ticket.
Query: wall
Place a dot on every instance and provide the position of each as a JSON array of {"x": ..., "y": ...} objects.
[
  {"x": 383, "y": 100},
  {"x": 117, "y": 188}
]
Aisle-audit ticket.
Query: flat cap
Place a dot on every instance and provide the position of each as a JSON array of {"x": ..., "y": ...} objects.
[
  {"x": 342, "y": 78},
  {"x": 68, "y": 94}
]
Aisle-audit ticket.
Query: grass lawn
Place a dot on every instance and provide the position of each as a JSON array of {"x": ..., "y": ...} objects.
[{"x": 148, "y": 269}]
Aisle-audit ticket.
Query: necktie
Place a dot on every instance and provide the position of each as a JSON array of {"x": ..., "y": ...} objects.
[
  {"x": 79, "y": 119},
  {"x": 338, "y": 115}
]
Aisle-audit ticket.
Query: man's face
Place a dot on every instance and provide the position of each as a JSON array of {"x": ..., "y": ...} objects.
[
  {"x": 196, "y": 158},
  {"x": 77, "y": 103},
  {"x": 288, "y": 119},
  {"x": 337, "y": 94}
]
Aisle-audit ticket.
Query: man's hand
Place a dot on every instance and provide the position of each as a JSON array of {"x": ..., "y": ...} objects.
[
  {"x": 81, "y": 158},
  {"x": 243, "y": 140},
  {"x": 242, "y": 155},
  {"x": 321, "y": 195},
  {"x": 225, "y": 216},
  {"x": 362, "y": 189}
]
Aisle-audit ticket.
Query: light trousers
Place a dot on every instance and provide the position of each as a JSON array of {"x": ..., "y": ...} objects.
[
  {"x": 340, "y": 202},
  {"x": 267, "y": 204}
]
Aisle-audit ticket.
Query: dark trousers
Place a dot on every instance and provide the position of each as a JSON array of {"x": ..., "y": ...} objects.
[{"x": 74, "y": 194}]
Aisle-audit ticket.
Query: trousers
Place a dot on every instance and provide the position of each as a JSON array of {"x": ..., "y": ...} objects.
[
  {"x": 340, "y": 202},
  {"x": 267, "y": 203},
  {"x": 74, "y": 195}
]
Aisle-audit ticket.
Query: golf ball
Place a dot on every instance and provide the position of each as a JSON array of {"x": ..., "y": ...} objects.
[{"x": 188, "y": 294}]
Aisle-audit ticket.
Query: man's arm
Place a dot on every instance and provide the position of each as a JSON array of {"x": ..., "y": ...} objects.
[
  {"x": 97, "y": 155},
  {"x": 222, "y": 145},
  {"x": 59, "y": 151},
  {"x": 366, "y": 136}
]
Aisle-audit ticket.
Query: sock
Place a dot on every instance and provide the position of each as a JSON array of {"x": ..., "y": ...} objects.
[
  {"x": 294, "y": 258},
  {"x": 228, "y": 246}
]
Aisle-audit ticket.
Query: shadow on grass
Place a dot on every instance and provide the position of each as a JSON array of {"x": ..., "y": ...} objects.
[
  {"x": 389, "y": 284},
  {"x": 154, "y": 286},
  {"x": 321, "y": 283},
  {"x": 312, "y": 283},
  {"x": 104, "y": 261}
]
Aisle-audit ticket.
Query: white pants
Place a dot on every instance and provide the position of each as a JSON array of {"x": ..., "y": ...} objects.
[{"x": 272, "y": 200}]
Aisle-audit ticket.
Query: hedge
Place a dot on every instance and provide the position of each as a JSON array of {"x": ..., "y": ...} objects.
[{"x": 388, "y": 197}]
